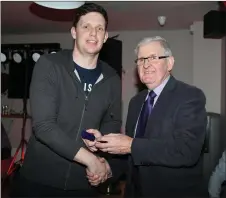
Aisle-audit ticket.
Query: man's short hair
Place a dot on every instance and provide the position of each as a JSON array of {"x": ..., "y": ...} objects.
[{"x": 87, "y": 8}]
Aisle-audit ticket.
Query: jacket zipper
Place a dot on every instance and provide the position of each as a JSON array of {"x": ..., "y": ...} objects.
[
  {"x": 83, "y": 111},
  {"x": 67, "y": 176},
  {"x": 80, "y": 124}
]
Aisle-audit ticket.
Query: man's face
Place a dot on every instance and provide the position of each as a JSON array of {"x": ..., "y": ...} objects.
[
  {"x": 153, "y": 72},
  {"x": 90, "y": 33}
]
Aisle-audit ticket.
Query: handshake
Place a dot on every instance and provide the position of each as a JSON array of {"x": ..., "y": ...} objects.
[{"x": 99, "y": 170}]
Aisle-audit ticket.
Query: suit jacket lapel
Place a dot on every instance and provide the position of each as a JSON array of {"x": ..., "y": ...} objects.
[{"x": 161, "y": 104}]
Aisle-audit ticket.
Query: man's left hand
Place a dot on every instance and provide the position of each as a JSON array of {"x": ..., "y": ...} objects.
[
  {"x": 91, "y": 144},
  {"x": 114, "y": 143}
]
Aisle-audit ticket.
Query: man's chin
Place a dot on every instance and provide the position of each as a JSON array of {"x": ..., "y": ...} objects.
[
  {"x": 148, "y": 81},
  {"x": 93, "y": 51},
  {"x": 150, "y": 84}
]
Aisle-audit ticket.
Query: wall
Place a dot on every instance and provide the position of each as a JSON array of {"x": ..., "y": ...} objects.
[
  {"x": 207, "y": 67},
  {"x": 197, "y": 61},
  {"x": 181, "y": 43},
  {"x": 64, "y": 39},
  {"x": 208, "y": 75},
  {"x": 223, "y": 93}
]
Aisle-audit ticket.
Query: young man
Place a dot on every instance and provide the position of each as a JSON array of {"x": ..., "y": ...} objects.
[{"x": 71, "y": 91}]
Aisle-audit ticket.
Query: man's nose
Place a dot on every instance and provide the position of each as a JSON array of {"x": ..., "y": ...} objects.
[
  {"x": 93, "y": 32},
  {"x": 147, "y": 64}
]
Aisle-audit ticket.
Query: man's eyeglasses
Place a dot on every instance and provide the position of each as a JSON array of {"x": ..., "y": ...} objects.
[{"x": 141, "y": 61}]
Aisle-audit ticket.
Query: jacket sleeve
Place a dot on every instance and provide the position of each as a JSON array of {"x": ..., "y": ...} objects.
[
  {"x": 44, "y": 101},
  {"x": 184, "y": 147}
]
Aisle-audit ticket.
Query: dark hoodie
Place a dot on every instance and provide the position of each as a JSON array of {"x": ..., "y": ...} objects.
[{"x": 60, "y": 111}]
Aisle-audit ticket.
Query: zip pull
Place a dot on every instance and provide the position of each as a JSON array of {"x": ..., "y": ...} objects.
[{"x": 86, "y": 102}]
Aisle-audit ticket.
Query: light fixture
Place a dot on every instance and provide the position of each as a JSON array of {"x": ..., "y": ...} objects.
[
  {"x": 191, "y": 29},
  {"x": 61, "y": 5},
  {"x": 3, "y": 57},
  {"x": 162, "y": 20},
  {"x": 17, "y": 57},
  {"x": 53, "y": 49},
  {"x": 36, "y": 55},
  {"x": 5, "y": 54}
]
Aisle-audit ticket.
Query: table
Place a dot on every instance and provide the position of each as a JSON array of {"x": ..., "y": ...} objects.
[{"x": 14, "y": 115}]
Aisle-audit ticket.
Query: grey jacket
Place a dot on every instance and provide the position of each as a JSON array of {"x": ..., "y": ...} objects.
[
  {"x": 60, "y": 111},
  {"x": 218, "y": 177}
]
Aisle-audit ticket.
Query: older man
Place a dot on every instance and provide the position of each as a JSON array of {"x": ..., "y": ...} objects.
[{"x": 165, "y": 129}]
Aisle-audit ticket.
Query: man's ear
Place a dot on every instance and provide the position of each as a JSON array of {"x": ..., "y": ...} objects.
[
  {"x": 170, "y": 63},
  {"x": 106, "y": 36},
  {"x": 73, "y": 32}
]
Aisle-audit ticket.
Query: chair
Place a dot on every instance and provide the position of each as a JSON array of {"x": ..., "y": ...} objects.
[{"x": 212, "y": 147}]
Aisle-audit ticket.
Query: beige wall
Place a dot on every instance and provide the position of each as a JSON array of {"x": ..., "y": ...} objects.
[
  {"x": 207, "y": 67},
  {"x": 181, "y": 43},
  {"x": 223, "y": 92},
  {"x": 207, "y": 75}
]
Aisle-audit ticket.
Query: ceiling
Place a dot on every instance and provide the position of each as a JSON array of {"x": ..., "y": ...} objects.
[{"x": 19, "y": 18}]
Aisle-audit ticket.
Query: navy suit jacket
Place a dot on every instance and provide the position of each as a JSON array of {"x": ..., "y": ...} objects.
[{"x": 167, "y": 161}]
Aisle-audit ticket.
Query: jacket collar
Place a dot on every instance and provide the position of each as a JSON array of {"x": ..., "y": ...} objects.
[
  {"x": 170, "y": 85},
  {"x": 107, "y": 71}
]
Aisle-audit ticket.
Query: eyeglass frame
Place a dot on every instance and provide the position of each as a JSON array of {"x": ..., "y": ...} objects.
[{"x": 146, "y": 58}]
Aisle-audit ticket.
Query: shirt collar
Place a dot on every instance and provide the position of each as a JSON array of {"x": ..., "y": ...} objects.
[{"x": 159, "y": 89}]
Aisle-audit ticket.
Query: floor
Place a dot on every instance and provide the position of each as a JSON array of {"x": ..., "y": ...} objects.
[
  {"x": 6, "y": 181},
  {"x": 6, "y": 188}
]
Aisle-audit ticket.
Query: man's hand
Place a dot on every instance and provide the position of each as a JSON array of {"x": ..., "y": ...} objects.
[
  {"x": 115, "y": 143},
  {"x": 98, "y": 171},
  {"x": 91, "y": 145},
  {"x": 97, "y": 168},
  {"x": 95, "y": 179}
]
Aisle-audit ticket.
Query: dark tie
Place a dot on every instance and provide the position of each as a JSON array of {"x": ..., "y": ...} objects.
[{"x": 146, "y": 111}]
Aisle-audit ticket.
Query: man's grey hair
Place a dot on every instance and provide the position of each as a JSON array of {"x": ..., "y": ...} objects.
[{"x": 162, "y": 41}]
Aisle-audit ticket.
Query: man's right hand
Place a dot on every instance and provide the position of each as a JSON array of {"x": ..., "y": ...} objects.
[
  {"x": 91, "y": 145},
  {"x": 96, "y": 166},
  {"x": 97, "y": 171}
]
